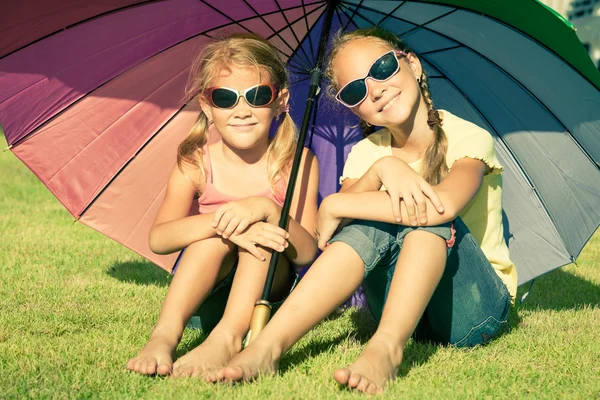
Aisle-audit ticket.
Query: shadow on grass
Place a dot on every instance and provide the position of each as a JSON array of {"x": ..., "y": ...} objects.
[
  {"x": 560, "y": 290},
  {"x": 140, "y": 273}
]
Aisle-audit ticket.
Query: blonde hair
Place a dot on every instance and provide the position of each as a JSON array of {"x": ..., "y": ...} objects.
[
  {"x": 434, "y": 166},
  {"x": 240, "y": 51}
]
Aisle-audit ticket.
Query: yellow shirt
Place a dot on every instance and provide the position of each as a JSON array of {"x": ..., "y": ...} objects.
[{"x": 483, "y": 215}]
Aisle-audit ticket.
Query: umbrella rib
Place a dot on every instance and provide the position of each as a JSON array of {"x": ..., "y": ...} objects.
[
  {"x": 238, "y": 23},
  {"x": 297, "y": 69},
  {"x": 424, "y": 53},
  {"x": 390, "y": 13},
  {"x": 308, "y": 67},
  {"x": 301, "y": 80},
  {"x": 269, "y": 25},
  {"x": 312, "y": 50},
  {"x": 142, "y": 3},
  {"x": 350, "y": 19},
  {"x": 308, "y": 60},
  {"x": 422, "y": 26},
  {"x": 505, "y": 145},
  {"x": 118, "y": 172}
]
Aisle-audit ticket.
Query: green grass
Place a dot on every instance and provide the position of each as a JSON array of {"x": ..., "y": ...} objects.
[{"x": 74, "y": 306}]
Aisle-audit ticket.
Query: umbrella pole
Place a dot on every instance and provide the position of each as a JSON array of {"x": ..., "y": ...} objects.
[{"x": 262, "y": 308}]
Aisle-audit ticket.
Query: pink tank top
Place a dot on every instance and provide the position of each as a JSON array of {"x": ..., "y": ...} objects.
[{"x": 211, "y": 199}]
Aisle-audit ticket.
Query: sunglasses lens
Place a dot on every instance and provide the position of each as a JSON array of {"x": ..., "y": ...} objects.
[
  {"x": 224, "y": 98},
  {"x": 354, "y": 92},
  {"x": 259, "y": 96},
  {"x": 384, "y": 67}
]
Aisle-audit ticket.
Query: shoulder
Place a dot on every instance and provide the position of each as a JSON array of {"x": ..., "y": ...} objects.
[
  {"x": 193, "y": 173},
  {"x": 467, "y": 140},
  {"x": 458, "y": 129}
]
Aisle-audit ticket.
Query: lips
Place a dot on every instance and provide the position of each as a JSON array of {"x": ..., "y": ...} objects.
[
  {"x": 243, "y": 126},
  {"x": 389, "y": 103}
]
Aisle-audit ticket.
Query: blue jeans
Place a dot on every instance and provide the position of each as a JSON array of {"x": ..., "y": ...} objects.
[{"x": 470, "y": 304}]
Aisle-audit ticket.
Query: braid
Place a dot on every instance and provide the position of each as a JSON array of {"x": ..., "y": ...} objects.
[{"x": 434, "y": 167}]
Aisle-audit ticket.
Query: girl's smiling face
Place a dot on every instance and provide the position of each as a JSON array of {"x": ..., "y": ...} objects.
[
  {"x": 390, "y": 102},
  {"x": 243, "y": 127}
]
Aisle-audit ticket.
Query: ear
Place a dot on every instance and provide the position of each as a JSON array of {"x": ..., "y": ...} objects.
[
  {"x": 415, "y": 65},
  {"x": 205, "y": 107},
  {"x": 282, "y": 101}
]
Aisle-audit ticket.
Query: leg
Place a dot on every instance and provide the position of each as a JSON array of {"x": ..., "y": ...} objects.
[
  {"x": 189, "y": 287},
  {"x": 418, "y": 270},
  {"x": 341, "y": 266},
  {"x": 471, "y": 303},
  {"x": 225, "y": 340}
]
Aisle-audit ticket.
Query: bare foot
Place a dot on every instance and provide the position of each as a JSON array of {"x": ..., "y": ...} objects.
[
  {"x": 211, "y": 355},
  {"x": 377, "y": 365},
  {"x": 257, "y": 359},
  {"x": 157, "y": 355}
]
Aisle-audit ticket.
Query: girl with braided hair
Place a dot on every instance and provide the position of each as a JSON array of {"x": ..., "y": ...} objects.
[{"x": 418, "y": 221}]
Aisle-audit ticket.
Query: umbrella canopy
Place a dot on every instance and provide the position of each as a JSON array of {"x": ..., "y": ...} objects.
[{"x": 91, "y": 101}]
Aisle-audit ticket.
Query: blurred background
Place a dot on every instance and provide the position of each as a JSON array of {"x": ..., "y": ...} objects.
[{"x": 584, "y": 15}]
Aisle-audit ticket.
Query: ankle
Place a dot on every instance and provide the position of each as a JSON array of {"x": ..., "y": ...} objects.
[
  {"x": 166, "y": 333},
  {"x": 393, "y": 345},
  {"x": 233, "y": 338},
  {"x": 274, "y": 349}
]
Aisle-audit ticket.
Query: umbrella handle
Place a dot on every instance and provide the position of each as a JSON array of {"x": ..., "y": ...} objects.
[{"x": 260, "y": 317}]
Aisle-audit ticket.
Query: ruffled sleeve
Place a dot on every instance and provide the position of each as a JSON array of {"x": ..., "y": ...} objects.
[{"x": 477, "y": 144}]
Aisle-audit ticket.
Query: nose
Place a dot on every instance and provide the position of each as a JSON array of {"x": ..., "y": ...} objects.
[
  {"x": 376, "y": 89},
  {"x": 242, "y": 109}
]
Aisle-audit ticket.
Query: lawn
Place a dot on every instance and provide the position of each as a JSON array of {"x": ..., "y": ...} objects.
[{"x": 74, "y": 306}]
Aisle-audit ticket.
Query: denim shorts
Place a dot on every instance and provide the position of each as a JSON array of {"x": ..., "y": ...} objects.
[
  {"x": 212, "y": 308},
  {"x": 470, "y": 304}
]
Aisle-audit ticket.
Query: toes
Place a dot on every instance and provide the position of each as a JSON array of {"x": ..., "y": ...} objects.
[
  {"x": 149, "y": 367},
  {"x": 182, "y": 371},
  {"x": 372, "y": 388},
  {"x": 362, "y": 385},
  {"x": 342, "y": 375},
  {"x": 164, "y": 369},
  {"x": 354, "y": 380},
  {"x": 235, "y": 374},
  {"x": 131, "y": 364}
]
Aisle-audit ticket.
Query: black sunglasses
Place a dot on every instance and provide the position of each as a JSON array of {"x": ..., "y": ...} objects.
[
  {"x": 256, "y": 96},
  {"x": 354, "y": 92}
]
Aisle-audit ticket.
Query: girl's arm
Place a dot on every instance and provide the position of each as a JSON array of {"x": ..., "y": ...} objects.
[
  {"x": 302, "y": 247},
  {"x": 402, "y": 184},
  {"x": 173, "y": 228},
  {"x": 456, "y": 190}
]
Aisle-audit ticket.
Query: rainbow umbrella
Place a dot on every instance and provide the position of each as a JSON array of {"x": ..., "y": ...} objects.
[{"x": 91, "y": 101}]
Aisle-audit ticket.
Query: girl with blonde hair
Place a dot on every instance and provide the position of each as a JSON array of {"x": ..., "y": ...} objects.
[
  {"x": 418, "y": 222},
  {"x": 239, "y": 183}
]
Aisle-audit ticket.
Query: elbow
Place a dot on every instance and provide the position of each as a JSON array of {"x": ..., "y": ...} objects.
[
  {"x": 450, "y": 213},
  {"x": 155, "y": 244}
]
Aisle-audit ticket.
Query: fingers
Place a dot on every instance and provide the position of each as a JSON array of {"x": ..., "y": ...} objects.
[
  {"x": 421, "y": 207},
  {"x": 433, "y": 196},
  {"x": 410, "y": 206},
  {"x": 395, "y": 199},
  {"x": 250, "y": 248},
  {"x": 271, "y": 240}
]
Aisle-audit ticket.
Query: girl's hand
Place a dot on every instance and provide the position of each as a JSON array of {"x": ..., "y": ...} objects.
[
  {"x": 261, "y": 234},
  {"x": 327, "y": 223},
  {"x": 404, "y": 183},
  {"x": 234, "y": 217}
]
